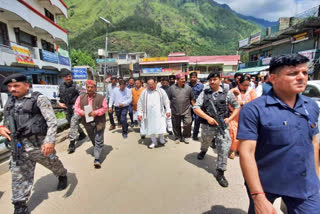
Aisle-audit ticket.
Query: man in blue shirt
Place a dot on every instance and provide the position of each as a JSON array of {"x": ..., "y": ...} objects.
[
  {"x": 197, "y": 88},
  {"x": 111, "y": 86},
  {"x": 279, "y": 151},
  {"x": 121, "y": 99}
]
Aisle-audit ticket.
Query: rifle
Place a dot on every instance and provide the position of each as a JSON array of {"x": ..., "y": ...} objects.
[
  {"x": 221, "y": 124},
  {"x": 14, "y": 145}
]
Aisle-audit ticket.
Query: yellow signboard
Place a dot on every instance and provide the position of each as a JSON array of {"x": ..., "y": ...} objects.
[
  {"x": 22, "y": 54},
  {"x": 154, "y": 59}
]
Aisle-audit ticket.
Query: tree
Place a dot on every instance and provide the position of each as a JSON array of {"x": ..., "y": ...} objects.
[{"x": 81, "y": 58}]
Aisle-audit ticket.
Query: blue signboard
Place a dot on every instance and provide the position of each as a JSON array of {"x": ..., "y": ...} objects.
[
  {"x": 79, "y": 73},
  {"x": 107, "y": 60},
  {"x": 49, "y": 56},
  {"x": 151, "y": 70},
  {"x": 64, "y": 60}
]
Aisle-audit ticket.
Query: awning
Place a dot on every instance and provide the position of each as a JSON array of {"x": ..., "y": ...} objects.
[{"x": 253, "y": 70}]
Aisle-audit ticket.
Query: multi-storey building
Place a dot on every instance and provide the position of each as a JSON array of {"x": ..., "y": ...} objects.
[{"x": 31, "y": 39}]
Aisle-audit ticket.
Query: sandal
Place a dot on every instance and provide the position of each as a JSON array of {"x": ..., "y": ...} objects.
[{"x": 232, "y": 154}]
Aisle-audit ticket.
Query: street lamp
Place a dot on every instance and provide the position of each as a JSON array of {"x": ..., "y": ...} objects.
[{"x": 105, "y": 52}]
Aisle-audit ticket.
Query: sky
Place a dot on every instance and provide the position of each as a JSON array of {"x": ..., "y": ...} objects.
[{"x": 270, "y": 10}]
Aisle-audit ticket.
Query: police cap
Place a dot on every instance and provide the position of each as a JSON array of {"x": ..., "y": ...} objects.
[
  {"x": 65, "y": 73},
  {"x": 14, "y": 78},
  {"x": 214, "y": 74}
]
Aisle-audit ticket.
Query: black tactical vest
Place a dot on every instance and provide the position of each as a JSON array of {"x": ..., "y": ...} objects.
[
  {"x": 220, "y": 102},
  {"x": 27, "y": 116},
  {"x": 68, "y": 93}
]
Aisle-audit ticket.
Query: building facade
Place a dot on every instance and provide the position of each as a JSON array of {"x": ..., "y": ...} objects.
[{"x": 31, "y": 40}]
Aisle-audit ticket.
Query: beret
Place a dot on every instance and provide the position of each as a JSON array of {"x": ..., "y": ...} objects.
[
  {"x": 65, "y": 73},
  {"x": 214, "y": 74},
  {"x": 14, "y": 78}
]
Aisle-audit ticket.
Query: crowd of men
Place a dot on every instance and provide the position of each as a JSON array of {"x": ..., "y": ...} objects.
[{"x": 267, "y": 122}]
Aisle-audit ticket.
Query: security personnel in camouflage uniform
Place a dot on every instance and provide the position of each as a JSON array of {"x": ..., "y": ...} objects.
[
  {"x": 221, "y": 98},
  {"x": 36, "y": 127},
  {"x": 68, "y": 93}
]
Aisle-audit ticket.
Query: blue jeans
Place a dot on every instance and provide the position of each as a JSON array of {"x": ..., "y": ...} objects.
[
  {"x": 196, "y": 126},
  {"x": 121, "y": 113}
]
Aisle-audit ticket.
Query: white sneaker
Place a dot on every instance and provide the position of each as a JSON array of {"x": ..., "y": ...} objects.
[
  {"x": 162, "y": 141},
  {"x": 152, "y": 145},
  {"x": 186, "y": 140}
]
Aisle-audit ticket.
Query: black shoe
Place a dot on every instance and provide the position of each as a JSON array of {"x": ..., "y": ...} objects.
[
  {"x": 63, "y": 182},
  {"x": 97, "y": 164},
  {"x": 170, "y": 133},
  {"x": 125, "y": 136},
  {"x": 182, "y": 139},
  {"x": 221, "y": 179},
  {"x": 131, "y": 124},
  {"x": 195, "y": 138},
  {"x": 213, "y": 144},
  {"x": 72, "y": 147},
  {"x": 82, "y": 136},
  {"x": 136, "y": 123},
  {"x": 201, "y": 155},
  {"x": 20, "y": 208},
  {"x": 143, "y": 137}
]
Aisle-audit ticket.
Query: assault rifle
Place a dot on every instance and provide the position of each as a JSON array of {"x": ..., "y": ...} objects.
[
  {"x": 14, "y": 145},
  {"x": 214, "y": 114}
]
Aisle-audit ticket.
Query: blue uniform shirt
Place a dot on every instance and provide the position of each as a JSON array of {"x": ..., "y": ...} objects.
[
  {"x": 284, "y": 151},
  {"x": 197, "y": 89}
]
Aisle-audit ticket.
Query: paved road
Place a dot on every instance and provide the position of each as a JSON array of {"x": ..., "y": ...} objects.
[{"x": 134, "y": 180}]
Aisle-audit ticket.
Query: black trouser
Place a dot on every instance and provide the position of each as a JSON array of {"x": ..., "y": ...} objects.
[
  {"x": 121, "y": 113},
  {"x": 111, "y": 118},
  {"x": 176, "y": 124}
]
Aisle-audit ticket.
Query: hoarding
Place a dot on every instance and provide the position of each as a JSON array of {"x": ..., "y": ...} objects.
[
  {"x": 79, "y": 73},
  {"x": 107, "y": 60},
  {"x": 255, "y": 37},
  {"x": 243, "y": 42},
  {"x": 50, "y": 91},
  {"x": 22, "y": 54},
  {"x": 64, "y": 60},
  {"x": 309, "y": 53},
  {"x": 49, "y": 56},
  {"x": 151, "y": 70},
  {"x": 155, "y": 59}
]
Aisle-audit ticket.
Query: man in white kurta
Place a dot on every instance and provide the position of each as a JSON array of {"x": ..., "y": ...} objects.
[{"x": 153, "y": 109}]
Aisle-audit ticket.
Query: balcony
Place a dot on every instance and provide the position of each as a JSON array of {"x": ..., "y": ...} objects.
[{"x": 60, "y": 6}]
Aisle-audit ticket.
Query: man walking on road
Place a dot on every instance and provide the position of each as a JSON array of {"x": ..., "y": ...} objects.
[
  {"x": 111, "y": 86},
  {"x": 215, "y": 101},
  {"x": 68, "y": 93},
  {"x": 95, "y": 129},
  {"x": 136, "y": 92},
  {"x": 130, "y": 86},
  {"x": 279, "y": 150},
  {"x": 197, "y": 88},
  {"x": 181, "y": 96},
  {"x": 31, "y": 126},
  {"x": 121, "y": 99},
  {"x": 153, "y": 109}
]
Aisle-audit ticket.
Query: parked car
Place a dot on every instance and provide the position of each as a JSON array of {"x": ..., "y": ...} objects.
[{"x": 313, "y": 91}]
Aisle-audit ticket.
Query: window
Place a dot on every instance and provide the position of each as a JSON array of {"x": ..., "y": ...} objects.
[
  {"x": 25, "y": 39},
  {"x": 47, "y": 46},
  {"x": 48, "y": 14},
  {"x": 4, "y": 38}
]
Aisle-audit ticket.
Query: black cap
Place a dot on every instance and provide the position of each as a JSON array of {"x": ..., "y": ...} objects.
[
  {"x": 14, "y": 78},
  {"x": 214, "y": 74},
  {"x": 65, "y": 73}
]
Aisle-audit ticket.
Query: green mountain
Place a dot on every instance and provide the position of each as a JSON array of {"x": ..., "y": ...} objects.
[{"x": 157, "y": 27}]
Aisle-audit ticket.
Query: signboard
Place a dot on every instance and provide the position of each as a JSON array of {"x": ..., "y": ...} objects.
[
  {"x": 79, "y": 73},
  {"x": 151, "y": 70},
  {"x": 22, "y": 54},
  {"x": 48, "y": 56},
  {"x": 301, "y": 37},
  {"x": 107, "y": 60},
  {"x": 155, "y": 59},
  {"x": 309, "y": 53},
  {"x": 255, "y": 37},
  {"x": 243, "y": 42},
  {"x": 63, "y": 52},
  {"x": 242, "y": 65},
  {"x": 50, "y": 91},
  {"x": 266, "y": 61},
  {"x": 64, "y": 60}
]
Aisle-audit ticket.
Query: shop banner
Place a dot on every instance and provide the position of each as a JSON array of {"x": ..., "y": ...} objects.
[
  {"x": 107, "y": 60},
  {"x": 255, "y": 37},
  {"x": 50, "y": 91},
  {"x": 243, "y": 42},
  {"x": 266, "y": 61},
  {"x": 155, "y": 59},
  {"x": 64, "y": 60},
  {"x": 310, "y": 54},
  {"x": 151, "y": 70},
  {"x": 63, "y": 52},
  {"x": 301, "y": 37},
  {"x": 79, "y": 73},
  {"x": 49, "y": 56},
  {"x": 22, "y": 54}
]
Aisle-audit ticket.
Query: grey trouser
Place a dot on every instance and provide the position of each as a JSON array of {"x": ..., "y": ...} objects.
[
  {"x": 223, "y": 143},
  {"x": 96, "y": 138},
  {"x": 176, "y": 124},
  {"x": 23, "y": 174}
]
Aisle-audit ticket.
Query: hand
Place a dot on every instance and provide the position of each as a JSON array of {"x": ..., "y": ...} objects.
[
  {"x": 227, "y": 120},
  {"x": 47, "y": 149},
  {"x": 168, "y": 114},
  {"x": 5, "y": 132},
  {"x": 92, "y": 114},
  {"x": 110, "y": 110},
  {"x": 82, "y": 114},
  {"x": 139, "y": 117},
  {"x": 236, "y": 92},
  {"x": 212, "y": 121},
  {"x": 120, "y": 105},
  {"x": 62, "y": 105},
  {"x": 262, "y": 205}
]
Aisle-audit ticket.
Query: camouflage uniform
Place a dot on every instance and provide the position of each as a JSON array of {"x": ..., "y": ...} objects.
[
  {"x": 74, "y": 127},
  {"x": 209, "y": 132},
  {"x": 23, "y": 170}
]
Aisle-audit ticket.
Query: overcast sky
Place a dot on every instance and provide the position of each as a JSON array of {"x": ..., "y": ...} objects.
[{"x": 270, "y": 9}]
